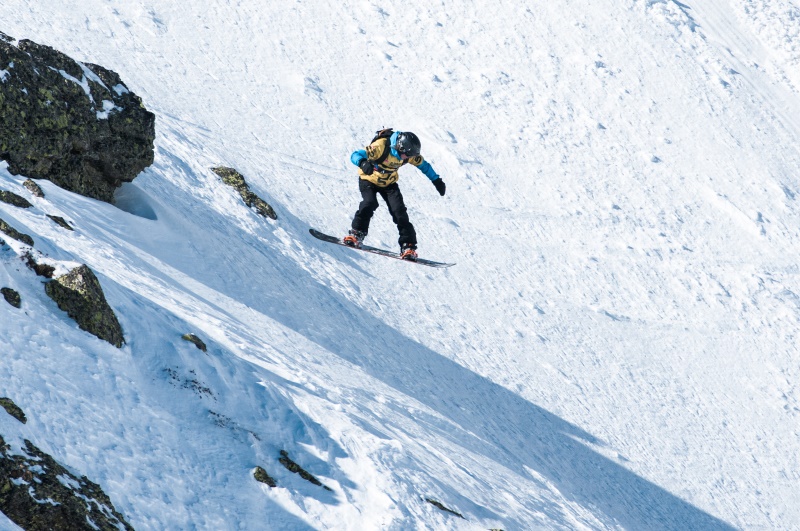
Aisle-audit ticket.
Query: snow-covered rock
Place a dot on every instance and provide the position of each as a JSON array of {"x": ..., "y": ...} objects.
[{"x": 64, "y": 121}]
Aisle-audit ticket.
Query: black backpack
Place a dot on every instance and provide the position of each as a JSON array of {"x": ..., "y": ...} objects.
[{"x": 383, "y": 133}]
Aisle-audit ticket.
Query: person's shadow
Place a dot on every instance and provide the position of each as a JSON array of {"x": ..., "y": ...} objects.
[{"x": 500, "y": 425}]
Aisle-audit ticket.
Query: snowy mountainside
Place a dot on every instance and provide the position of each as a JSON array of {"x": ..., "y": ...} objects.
[{"x": 616, "y": 347}]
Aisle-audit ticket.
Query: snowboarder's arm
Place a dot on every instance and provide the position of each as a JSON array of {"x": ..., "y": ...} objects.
[
  {"x": 424, "y": 166},
  {"x": 358, "y": 156},
  {"x": 360, "y": 159}
]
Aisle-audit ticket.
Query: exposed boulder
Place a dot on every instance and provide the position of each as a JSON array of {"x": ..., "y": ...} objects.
[
  {"x": 14, "y": 233},
  {"x": 40, "y": 268},
  {"x": 291, "y": 466},
  {"x": 75, "y": 124},
  {"x": 441, "y": 507},
  {"x": 191, "y": 338},
  {"x": 234, "y": 179},
  {"x": 13, "y": 409},
  {"x": 79, "y": 294},
  {"x": 13, "y": 199},
  {"x": 61, "y": 222},
  {"x": 37, "y": 493},
  {"x": 11, "y": 296},
  {"x": 261, "y": 476},
  {"x": 33, "y": 188}
]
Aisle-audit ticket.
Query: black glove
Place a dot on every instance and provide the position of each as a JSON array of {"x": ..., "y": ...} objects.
[
  {"x": 439, "y": 184},
  {"x": 366, "y": 167}
]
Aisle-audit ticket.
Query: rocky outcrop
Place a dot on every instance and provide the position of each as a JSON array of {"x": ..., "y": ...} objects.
[
  {"x": 75, "y": 124},
  {"x": 191, "y": 338},
  {"x": 40, "y": 268},
  {"x": 291, "y": 466},
  {"x": 79, "y": 294},
  {"x": 13, "y": 199},
  {"x": 234, "y": 179},
  {"x": 14, "y": 233},
  {"x": 61, "y": 222},
  {"x": 33, "y": 188},
  {"x": 12, "y": 297},
  {"x": 441, "y": 507},
  {"x": 261, "y": 476},
  {"x": 13, "y": 409},
  {"x": 37, "y": 493}
]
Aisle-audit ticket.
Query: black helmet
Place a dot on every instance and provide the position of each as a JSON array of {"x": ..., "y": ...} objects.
[{"x": 407, "y": 144}]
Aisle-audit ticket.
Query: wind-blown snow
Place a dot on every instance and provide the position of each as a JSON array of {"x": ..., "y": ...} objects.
[{"x": 616, "y": 347}]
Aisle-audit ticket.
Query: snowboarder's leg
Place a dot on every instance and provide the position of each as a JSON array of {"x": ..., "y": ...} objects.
[
  {"x": 397, "y": 208},
  {"x": 369, "y": 203}
]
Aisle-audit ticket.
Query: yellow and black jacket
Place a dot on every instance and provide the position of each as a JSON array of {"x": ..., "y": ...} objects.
[{"x": 385, "y": 171}]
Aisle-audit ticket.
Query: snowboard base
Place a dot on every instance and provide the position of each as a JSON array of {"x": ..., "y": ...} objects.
[{"x": 374, "y": 250}]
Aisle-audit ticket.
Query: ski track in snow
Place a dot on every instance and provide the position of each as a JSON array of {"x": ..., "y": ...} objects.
[{"x": 615, "y": 348}]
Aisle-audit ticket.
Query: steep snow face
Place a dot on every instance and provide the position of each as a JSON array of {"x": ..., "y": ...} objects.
[{"x": 616, "y": 347}]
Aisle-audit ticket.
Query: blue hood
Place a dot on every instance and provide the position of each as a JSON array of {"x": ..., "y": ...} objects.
[{"x": 392, "y": 143}]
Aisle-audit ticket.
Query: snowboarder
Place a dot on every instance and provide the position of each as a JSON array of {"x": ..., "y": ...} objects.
[{"x": 377, "y": 171}]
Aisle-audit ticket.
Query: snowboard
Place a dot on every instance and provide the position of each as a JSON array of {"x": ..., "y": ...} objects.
[{"x": 374, "y": 250}]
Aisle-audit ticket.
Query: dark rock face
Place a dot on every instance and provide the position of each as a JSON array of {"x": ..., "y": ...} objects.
[
  {"x": 14, "y": 233},
  {"x": 79, "y": 294},
  {"x": 37, "y": 493},
  {"x": 291, "y": 466},
  {"x": 13, "y": 409},
  {"x": 33, "y": 188},
  {"x": 196, "y": 340},
  {"x": 74, "y": 124},
  {"x": 234, "y": 179},
  {"x": 441, "y": 507},
  {"x": 43, "y": 270},
  {"x": 61, "y": 222},
  {"x": 13, "y": 199},
  {"x": 11, "y": 296},
  {"x": 261, "y": 476}
]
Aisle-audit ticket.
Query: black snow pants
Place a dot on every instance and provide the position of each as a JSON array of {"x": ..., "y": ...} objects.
[{"x": 397, "y": 208}]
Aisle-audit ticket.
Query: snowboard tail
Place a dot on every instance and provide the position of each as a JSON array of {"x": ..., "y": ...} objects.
[{"x": 374, "y": 250}]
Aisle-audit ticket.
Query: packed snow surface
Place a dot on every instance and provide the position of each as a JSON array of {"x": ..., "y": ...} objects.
[{"x": 616, "y": 347}]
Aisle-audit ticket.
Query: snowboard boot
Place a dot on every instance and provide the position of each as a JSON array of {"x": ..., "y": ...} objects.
[
  {"x": 408, "y": 251},
  {"x": 354, "y": 238}
]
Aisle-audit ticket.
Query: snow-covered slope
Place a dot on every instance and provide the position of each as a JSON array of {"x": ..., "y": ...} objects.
[{"x": 616, "y": 347}]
